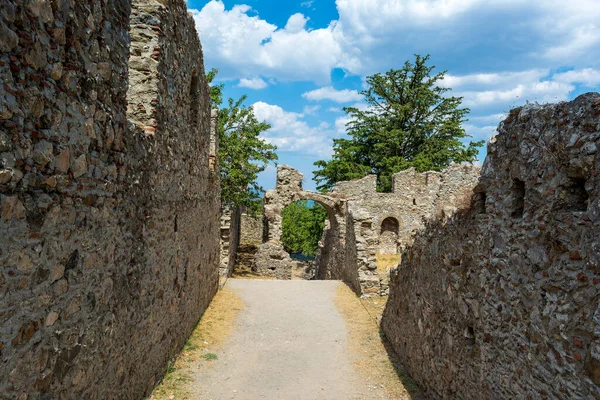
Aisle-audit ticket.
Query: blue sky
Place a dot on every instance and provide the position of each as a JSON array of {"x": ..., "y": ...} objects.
[{"x": 300, "y": 62}]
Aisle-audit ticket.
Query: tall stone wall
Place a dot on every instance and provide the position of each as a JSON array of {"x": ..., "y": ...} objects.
[
  {"x": 501, "y": 301},
  {"x": 385, "y": 223},
  {"x": 109, "y": 210}
]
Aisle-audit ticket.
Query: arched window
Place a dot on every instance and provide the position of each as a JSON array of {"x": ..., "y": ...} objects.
[{"x": 388, "y": 236}]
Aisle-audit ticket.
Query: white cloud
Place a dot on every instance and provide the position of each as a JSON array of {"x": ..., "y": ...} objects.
[
  {"x": 515, "y": 88},
  {"x": 334, "y": 109},
  {"x": 536, "y": 33},
  {"x": 253, "y": 83},
  {"x": 310, "y": 110},
  {"x": 307, "y": 4},
  {"x": 553, "y": 28},
  {"x": 290, "y": 133},
  {"x": 296, "y": 23},
  {"x": 340, "y": 124},
  {"x": 329, "y": 93},
  {"x": 580, "y": 40},
  {"x": 240, "y": 44},
  {"x": 488, "y": 119},
  {"x": 492, "y": 80},
  {"x": 542, "y": 92},
  {"x": 588, "y": 77}
]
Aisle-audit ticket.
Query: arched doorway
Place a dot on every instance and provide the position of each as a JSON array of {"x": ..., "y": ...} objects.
[
  {"x": 303, "y": 223},
  {"x": 388, "y": 236}
]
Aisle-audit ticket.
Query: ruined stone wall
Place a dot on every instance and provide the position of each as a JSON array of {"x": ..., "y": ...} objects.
[
  {"x": 109, "y": 228},
  {"x": 501, "y": 301},
  {"x": 230, "y": 240},
  {"x": 385, "y": 223},
  {"x": 273, "y": 260},
  {"x": 251, "y": 229}
]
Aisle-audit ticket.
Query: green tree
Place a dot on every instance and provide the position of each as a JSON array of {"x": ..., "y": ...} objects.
[
  {"x": 409, "y": 122},
  {"x": 242, "y": 153},
  {"x": 302, "y": 227}
]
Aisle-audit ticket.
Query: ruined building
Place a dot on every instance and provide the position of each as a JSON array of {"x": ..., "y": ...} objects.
[
  {"x": 497, "y": 290},
  {"x": 362, "y": 225},
  {"x": 109, "y": 198},
  {"x": 383, "y": 224},
  {"x": 110, "y": 225}
]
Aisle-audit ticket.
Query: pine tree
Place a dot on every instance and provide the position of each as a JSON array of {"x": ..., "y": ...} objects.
[{"x": 409, "y": 122}]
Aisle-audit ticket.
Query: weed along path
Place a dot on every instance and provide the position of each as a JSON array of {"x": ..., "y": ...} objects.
[{"x": 304, "y": 340}]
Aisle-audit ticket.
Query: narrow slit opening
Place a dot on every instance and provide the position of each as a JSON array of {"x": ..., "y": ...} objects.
[{"x": 519, "y": 198}]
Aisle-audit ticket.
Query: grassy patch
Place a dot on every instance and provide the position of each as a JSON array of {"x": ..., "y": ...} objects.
[
  {"x": 372, "y": 356},
  {"x": 211, "y": 331},
  {"x": 210, "y": 356},
  {"x": 189, "y": 346},
  {"x": 387, "y": 261}
]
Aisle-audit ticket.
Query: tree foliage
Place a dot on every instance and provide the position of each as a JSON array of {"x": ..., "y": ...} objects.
[
  {"x": 242, "y": 152},
  {"x": 302, "y": 224},
  {"x": 409, "y": 122}
]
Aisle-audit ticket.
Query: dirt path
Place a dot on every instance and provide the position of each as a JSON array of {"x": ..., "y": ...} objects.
[{"x": 294, "y": 340}]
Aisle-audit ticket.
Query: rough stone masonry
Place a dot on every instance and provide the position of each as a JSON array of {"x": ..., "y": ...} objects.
[
  {"x": 362, "y": 224},
  {"x": 383, "y": 224},
  {"x": 336, "y": 258},
  {"x": 109, "y": 199},
  {"x": 502, "y": 301}
]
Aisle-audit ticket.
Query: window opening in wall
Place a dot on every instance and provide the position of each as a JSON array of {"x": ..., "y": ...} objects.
[
  {"x": 388, "y": 237},
  {"x": 390, "y": 224},
  {"x": 194, "y": 99},
  {"x": 574, "y": 197},
  {"x": 470, "y": 336},
  {"x": 519, "y": 198},
  {"x": 414, "y": 202},
  {"x": 480, "y": 201}
]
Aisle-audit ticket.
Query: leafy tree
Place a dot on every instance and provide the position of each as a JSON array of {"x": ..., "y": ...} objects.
[
  {"x": 409, "y": 122},
  {"x": 242, "y": 153},
  {"x": 302, "y": 227}
]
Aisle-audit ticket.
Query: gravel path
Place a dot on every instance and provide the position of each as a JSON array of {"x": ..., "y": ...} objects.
[{"x": 290, "y": 342}]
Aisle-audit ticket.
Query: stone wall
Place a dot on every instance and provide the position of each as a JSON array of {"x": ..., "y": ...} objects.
[
  {"x": 385, "y": 223},
  {"x": 251, "y": 229},
  {"x": 501, "y": 301},
  {"x": 332, "y": 262},
  {"x": 230, "y": 240},
  {"x": 109, "y": 210},
  {"x": 363, "y": 224}
]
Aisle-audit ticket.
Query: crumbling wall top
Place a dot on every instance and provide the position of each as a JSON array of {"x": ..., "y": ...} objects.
[
  {"x": 526, "y": 250},
  {"x": 288, "y": 179},
  {"x": 357, "y": 187}
]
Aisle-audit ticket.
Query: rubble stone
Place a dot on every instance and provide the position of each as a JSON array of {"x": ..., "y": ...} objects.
[
  {"x": 503, "y": 295},
  {"x": 110, "y": 237}
]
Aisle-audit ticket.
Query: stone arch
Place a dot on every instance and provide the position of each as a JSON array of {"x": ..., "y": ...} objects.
[
  {"x": 276, "y": 201},
  {"x": 328, "y": 203},
  {"x": 389, "y": 230},
  {"x": 272, "y": 259}
]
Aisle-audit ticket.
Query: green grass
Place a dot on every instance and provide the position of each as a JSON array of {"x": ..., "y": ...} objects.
[
  {"x": 210, "y": 356},
  {"x": 171, "y": 368},
  {"x": 189, "y": 346}
]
